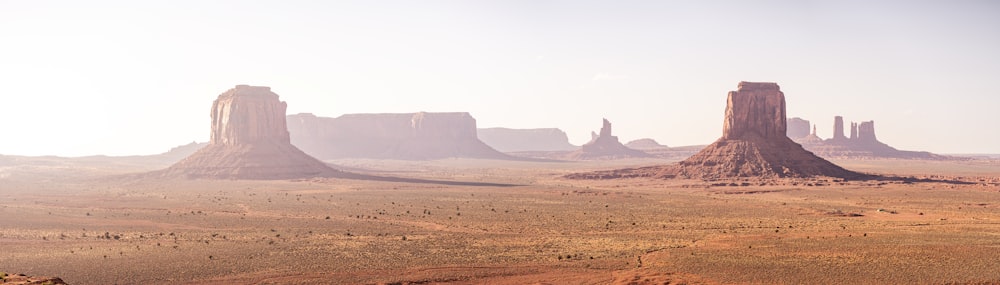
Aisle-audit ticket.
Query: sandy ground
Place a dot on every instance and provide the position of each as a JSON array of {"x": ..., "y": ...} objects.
[{"x": 88, "y": 228}]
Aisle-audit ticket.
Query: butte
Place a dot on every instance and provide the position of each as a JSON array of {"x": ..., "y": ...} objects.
[
  {"x": 753, "y": 144},
  {"x": 249, "y": 140}
]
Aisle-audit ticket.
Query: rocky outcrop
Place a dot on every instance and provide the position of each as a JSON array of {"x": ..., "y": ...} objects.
[
  {"x": 249, "y": 140},
  {"x": 838, "y": 128},
  {"x": 246, "y": 115},
  {"x": 797, "y": 128},
  {"x": 518, "y": 140},
  {"x": 866, "y": 132},
  {"x": 605, "y": 146},
  {"x": 644, "y": 144},
  {"x": 756, "y": 111},
  {"x": 862, "y": 144},
  {"x": 21, "y": 279},
  {"x": 410, "y": 136},
  {"x": 753, "y": 144}
]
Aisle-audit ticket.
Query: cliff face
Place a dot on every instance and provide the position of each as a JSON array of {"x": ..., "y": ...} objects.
[
  {"x": 514, "y": 140},
  {"x": 248, "y": 114},
  {"x": 755, "y": 110},
  {"x": 797, "y": 128},
  {"x": 605, "y": 146},
  {"x": 390, "y": 136},
  {"x": 249, "y": 140}
]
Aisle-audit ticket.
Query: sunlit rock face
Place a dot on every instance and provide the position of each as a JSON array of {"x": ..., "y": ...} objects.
[
  {"x": 248, "y": 114},
  {"x": 754, "y": 142},
  {"x": 249, "y": 140}
]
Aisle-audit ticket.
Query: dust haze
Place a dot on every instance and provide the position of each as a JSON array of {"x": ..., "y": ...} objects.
[{"x": 424, "y": 197}]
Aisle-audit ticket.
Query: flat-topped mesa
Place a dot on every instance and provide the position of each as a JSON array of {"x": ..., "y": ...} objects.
[
  {"x": 449, "y": 125},
  {"x": 798, "y": 128},
  {"x": 514, "y": 140},
  {"x": 248, "y": 114},
  {"x": 755, "y": 110},
  {"x": 411, "y": 136}
]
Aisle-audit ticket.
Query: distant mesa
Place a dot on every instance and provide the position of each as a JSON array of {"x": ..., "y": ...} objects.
[
  {"x": 406, "y": 136},
  {"x": 753, "y": 144},
  {"x": 523, "y": 140},
  {"x": 605, "y": 146},
  {"x": 249, "y": 140},
  {"x": 860, "y": 144},
  {"x": 798, "y": 128},
  {"x": 644, "y": 144}
]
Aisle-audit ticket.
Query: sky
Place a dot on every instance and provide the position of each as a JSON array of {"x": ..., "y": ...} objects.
[{"x": 138, "y": 77}]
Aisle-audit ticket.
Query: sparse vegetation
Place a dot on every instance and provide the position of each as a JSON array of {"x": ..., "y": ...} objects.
[{"x": 551, "y": 226}]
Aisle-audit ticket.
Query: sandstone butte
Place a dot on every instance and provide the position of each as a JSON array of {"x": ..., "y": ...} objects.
[
  {"x": 753, "y": 144},
  {"x": 249, "y": 140},
  {"x": 605, "y": 146}
]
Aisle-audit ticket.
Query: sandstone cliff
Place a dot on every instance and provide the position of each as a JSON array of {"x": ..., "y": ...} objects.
[
  {"x": 516, "y": 140},
  {"x": 249, "y": 140},
  {"x": 605, "y": 146},
  {"x": 413, "y": 136}
]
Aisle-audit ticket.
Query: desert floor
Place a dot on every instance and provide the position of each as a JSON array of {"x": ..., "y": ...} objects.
[{"x": 86, "y": 227}]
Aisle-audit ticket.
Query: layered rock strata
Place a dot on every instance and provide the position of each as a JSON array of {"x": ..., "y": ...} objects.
[{"x": 249, "y": 140}]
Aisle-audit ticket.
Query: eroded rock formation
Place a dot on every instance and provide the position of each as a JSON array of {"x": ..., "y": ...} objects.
[
  {"x": 753, "y": 144},
  {"x": 516, "y": 140},
  {"x": 862, "y": 144},
  {"x": 798, "y": 128},
  {"x": 412, "y": 136},
  {"x": 756, "y": 111},
  {"x": 605, "y": 146},
  {"x": 249, "y": 140},
  {"x": 838, "y": 128}
]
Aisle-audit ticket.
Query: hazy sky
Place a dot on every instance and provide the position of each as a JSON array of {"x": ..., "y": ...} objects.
[{"x": 139, "y": 77}]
